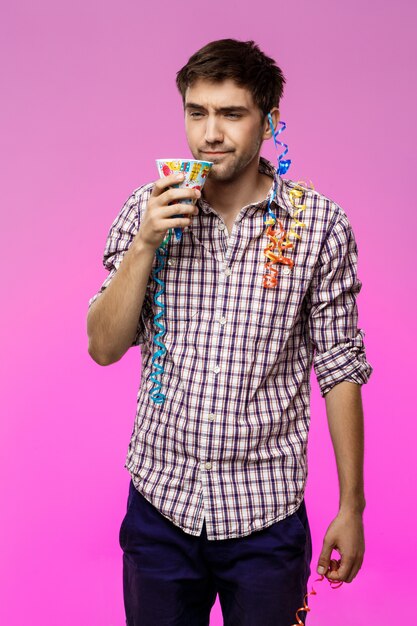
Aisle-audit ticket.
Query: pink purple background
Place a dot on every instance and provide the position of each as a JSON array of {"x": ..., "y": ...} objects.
[{"x": 88, "y": 102}]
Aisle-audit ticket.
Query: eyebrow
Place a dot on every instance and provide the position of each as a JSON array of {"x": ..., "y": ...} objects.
[{"x": 235, "y": 109}]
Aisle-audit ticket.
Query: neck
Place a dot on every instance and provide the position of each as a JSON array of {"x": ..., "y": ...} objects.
[{"x": 228, "y": 197}]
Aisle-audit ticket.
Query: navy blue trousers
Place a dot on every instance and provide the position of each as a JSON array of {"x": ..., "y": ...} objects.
[{"x": 171, "y": 578}]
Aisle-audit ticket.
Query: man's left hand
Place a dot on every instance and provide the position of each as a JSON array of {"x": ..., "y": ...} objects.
[{"x": 346, "y": 535}]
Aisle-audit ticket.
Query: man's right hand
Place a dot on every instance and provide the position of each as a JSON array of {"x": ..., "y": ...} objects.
[{"x": 157, "y": 218}]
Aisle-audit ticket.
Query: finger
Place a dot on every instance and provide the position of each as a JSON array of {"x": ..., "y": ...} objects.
[
  {"x": 352, "y": 576},
  {"x": 332, "y": 573},
  {"x": 162, "y": 183},
  {"x": 178, "y": 216},
  {"x": 344, "y": 570},
  {"x": 324, "y": 558},
  {"x": 173, "y": 195},
  {"x": 334, "y": 565},
  {"x": 355, "y": 570},
  {"x": 176, "y": 209}
]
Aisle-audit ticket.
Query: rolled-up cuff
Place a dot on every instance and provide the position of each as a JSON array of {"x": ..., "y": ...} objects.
[{"x": 344, "y": 361}]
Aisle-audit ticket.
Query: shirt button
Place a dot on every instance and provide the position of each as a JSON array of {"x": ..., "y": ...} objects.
[
  {"x": 286, "y": 270},
  {"x": 211, "y": 417},
  {"x": 221, "y": 226},
  {"x": 227, "y": 271},
  {"x": 208, "y": 465},
  {"x": 222, "y": 320},
  {"x": 216, "y": 369}
]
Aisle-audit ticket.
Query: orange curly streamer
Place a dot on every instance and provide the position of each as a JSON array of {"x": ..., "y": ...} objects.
[
  {"x": 334, "y": 584},
  {"x": 282, "y": 240}
]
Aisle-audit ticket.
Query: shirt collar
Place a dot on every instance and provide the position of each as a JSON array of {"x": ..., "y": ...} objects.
[{"x": 282, "y": 198}]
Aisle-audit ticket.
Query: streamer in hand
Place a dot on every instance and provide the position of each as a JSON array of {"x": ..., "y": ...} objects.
[{"x": 334, "y": 584}]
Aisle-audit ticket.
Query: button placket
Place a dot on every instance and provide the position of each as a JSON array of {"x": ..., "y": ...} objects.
[{"x": 209, "y": 424}]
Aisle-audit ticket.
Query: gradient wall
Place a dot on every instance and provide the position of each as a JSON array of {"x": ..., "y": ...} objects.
[{"x": 88, "y": 102}]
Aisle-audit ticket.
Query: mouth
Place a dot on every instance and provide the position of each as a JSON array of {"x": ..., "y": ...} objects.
[{"x": 215, "y": 153}]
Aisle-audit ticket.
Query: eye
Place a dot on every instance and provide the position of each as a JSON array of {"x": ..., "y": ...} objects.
[
  {"x": 234, "y": 116},
  {"x": 195, "y": 114}
]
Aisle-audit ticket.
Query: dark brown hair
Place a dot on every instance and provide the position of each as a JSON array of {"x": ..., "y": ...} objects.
[{"x": 241, "y": 61}]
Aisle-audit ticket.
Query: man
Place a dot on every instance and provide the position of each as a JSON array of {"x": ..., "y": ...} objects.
[{"x": 216, "y": 500}]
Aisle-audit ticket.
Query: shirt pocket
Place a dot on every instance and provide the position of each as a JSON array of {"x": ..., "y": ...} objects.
[
  {"x": 275, "y": 310},
  {"x": 179, "y": 322}
]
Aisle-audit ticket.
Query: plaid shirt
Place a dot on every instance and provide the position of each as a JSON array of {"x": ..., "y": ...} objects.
[{"x": 229, "y": 445}]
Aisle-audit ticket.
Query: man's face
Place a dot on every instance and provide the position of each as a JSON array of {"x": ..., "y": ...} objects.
[{"x": 223, "y": 125}]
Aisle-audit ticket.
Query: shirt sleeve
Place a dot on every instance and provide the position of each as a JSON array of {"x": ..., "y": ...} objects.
[
  {"x": 339, "y": 351},
  {"x": 119, "y": 239}
]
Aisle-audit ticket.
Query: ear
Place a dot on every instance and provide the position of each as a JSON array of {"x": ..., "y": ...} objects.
[{"x": 267, "y": 126}]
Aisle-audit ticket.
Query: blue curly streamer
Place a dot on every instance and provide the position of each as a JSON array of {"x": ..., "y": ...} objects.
[
  {"x": 283, "y": 165},
  {"x": 155, "y": 394}
]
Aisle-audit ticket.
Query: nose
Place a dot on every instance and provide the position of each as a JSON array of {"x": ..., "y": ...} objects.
[{"x": 214, "y": 133}]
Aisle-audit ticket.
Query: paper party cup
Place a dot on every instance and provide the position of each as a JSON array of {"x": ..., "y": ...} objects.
[{"x": 196, "y": 173}]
